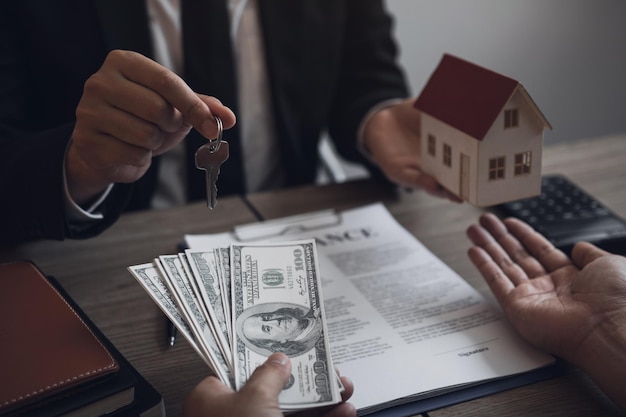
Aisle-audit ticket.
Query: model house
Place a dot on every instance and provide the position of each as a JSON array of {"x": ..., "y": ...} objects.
[{"x": 482, "y": 134}]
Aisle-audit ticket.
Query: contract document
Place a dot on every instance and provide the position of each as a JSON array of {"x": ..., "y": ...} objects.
[{"x": 402, "y": 325}]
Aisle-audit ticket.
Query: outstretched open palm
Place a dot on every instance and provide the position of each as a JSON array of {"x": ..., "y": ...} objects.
[{"x": 554, "y": 302}]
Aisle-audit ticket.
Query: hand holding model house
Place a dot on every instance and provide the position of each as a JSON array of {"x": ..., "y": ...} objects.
[{"x": 482, "y": 134}]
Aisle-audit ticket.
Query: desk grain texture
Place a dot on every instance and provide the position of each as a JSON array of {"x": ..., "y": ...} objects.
[{"x": 94, "y": 271}]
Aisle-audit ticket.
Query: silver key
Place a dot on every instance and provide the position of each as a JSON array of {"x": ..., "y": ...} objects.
[{"x": 210, "y": 158}]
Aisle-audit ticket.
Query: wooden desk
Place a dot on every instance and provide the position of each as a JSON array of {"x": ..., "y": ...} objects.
[
  {"x": 94, "y": 273},
  {"x": 598, "y": 166}
]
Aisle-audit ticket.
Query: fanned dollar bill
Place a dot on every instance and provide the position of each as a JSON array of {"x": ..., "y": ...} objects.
[
  {"x": 275, "y": 291},
  {"x": 277, "y": 307},
  {"x": 177, "y": 282},
  {"x": 222, "y": 257},
  {"x": 203, "y": 268},
  {"x": 150, "y": 279}
]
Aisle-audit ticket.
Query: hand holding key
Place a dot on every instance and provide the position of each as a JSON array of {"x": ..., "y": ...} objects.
[
  {"x": 132, "y": 110},
  {"x": 210, "y": 158}
]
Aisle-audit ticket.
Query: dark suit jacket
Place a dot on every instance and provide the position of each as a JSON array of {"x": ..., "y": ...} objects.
[{"x": 329, "y": 62}]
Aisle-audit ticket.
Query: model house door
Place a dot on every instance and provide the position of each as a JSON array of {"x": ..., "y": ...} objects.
[{"x": 464, "y": 180}]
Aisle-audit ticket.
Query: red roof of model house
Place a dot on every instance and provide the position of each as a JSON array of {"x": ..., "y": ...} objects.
[{"x": 468, "y": 97}]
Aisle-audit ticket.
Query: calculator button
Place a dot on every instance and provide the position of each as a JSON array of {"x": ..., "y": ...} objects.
[{"x": 565, "y": 214}]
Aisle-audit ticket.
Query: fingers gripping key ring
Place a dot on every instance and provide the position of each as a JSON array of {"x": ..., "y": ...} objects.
[
  {"x": 215, "y": 143},
  {"x": 210, "y": 157}
]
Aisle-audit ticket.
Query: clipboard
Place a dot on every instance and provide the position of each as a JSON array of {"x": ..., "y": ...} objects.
[
  {"x": 269, "y": 229},
  {"x": 286, "y": 225}
]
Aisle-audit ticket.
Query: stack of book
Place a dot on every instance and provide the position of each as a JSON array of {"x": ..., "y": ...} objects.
[{"x": 54, "y": 361}]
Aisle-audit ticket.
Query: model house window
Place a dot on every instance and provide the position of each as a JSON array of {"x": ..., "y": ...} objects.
[
  {"x": 511, "y": 118},
  {"x": 432, "y": 145},
  {"x": 447, "y": 155},
  {"x": 523, "y": 162},
  {"x": 496, "y": 168}
]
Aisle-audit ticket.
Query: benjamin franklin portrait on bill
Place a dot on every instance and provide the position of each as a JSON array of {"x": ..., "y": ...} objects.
[{"x": 279, "y": 327}]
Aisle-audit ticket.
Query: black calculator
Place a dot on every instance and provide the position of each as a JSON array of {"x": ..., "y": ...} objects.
[{"x": 566, "y": 214}]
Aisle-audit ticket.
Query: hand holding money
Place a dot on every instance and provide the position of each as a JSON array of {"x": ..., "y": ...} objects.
[
  {"x": 259, "y": 397},
  {"x": 237, "y": 306}
]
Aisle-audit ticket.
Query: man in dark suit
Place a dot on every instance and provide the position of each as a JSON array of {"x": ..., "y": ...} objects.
[{"x": 85, "y": 109}]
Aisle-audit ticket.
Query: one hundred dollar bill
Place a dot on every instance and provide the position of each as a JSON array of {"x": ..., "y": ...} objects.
[
  {"x": 277, "y": 307},
  {"x": 183, "y": 293},
  {"x": 222, "y": 261},
  {"x": 152, "y": 282},
  {"x": 202, "y": 266}
]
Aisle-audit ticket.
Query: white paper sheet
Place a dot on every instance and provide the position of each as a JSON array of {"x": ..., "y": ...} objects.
[{"x": 402, "y": 324}]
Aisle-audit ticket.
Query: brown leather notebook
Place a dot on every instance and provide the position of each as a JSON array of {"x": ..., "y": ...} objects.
[{"x": 45, "y": 347}]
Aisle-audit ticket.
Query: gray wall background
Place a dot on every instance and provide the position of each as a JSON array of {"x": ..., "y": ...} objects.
[{"x": 569, "y": 54}]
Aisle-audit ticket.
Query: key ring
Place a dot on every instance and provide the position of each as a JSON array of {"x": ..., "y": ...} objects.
[{"x": 215, "y": 143}]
